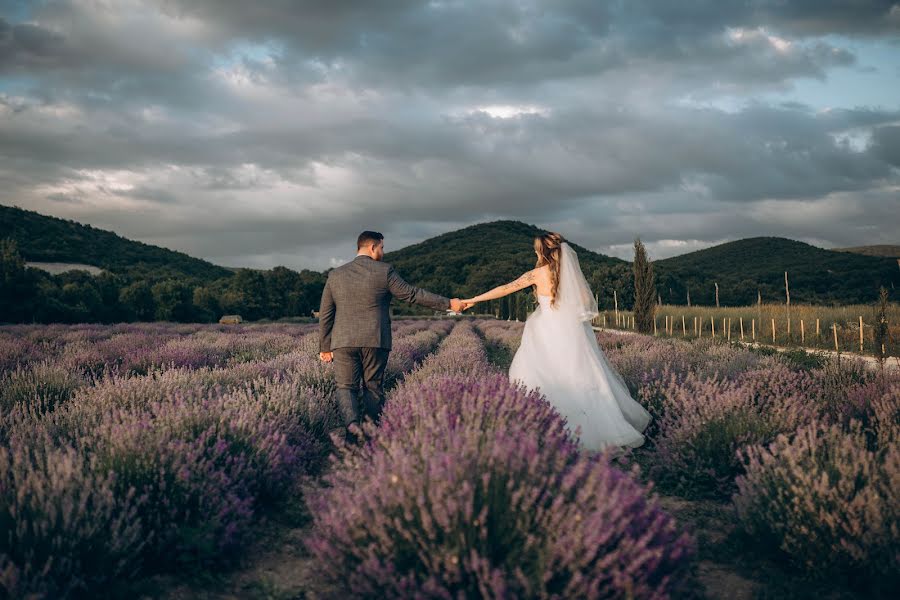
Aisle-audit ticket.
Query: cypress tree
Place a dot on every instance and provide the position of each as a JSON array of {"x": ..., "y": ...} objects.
[{"x": 644, "y": 289}]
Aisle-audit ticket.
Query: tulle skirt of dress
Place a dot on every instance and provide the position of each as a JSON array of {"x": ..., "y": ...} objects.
[{"x": 561, "y": 358}]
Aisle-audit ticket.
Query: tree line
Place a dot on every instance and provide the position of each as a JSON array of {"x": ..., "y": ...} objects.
[{"x": 31, "y": 295}]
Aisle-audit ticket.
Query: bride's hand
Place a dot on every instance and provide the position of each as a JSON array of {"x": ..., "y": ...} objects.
[{"x": 468, "y": 303}]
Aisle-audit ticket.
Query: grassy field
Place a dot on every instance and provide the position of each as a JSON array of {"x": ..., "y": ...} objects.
[{"x": 794, "y": 328}]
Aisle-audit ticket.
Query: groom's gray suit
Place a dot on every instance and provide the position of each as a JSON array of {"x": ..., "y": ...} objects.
[{"x": 355, "y": 324}]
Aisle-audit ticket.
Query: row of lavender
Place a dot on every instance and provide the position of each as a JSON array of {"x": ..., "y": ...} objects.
[
  {"x": 471, "y": 487},
  {"x": 109, "y": 472},
  {"x": 808, "y": 457},
  {"x": 138, "y": 348}
]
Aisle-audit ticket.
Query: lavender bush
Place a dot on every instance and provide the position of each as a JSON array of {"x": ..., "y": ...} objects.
[
  {"x": 461, "y": 353},
  {"x": 472, "y": 487},
  {"x": 826, "y": 501},
  {"x": 409, "y": 351},
  {"x": 701, "y": 422},
  {"x": 63, "y": 528},
  {"x": 44, "y": 383},
  {"x": 643, "y": 360},
  {"x": 106, "y": 436}
]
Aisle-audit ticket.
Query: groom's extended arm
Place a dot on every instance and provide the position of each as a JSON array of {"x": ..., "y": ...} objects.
[
  {"x": 326, "y": 318},
  {"x": 410, "y": 293}
]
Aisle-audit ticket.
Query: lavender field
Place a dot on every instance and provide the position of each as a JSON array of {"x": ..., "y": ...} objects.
[{"x": 131, "y": 451}]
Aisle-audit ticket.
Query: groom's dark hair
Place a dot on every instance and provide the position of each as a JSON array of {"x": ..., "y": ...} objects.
[{"x": 368, "y": 237}]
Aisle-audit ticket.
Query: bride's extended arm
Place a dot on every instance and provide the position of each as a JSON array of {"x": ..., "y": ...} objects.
[{"x": 526, "y": 280}]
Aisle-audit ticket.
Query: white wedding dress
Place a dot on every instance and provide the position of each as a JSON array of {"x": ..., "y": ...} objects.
[{"x": 560, "y": 357}]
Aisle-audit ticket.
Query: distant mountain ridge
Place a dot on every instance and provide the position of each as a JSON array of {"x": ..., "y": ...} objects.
[
  {"x": 41, "y": 238},
  {"x": 888, "y": 250},
  {"x": 474, "y": 259},
  {"x": 815, "y": 275}
]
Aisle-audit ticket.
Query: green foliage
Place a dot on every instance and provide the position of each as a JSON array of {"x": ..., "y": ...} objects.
[
  {"x": 138, "y": 301},
  {"x": 139, "y": 282},
  {"x": 461, "y": 263},
  {"x": 475, "y": 259},
  {"x": 173, "y": 300},
  {"x": 17, "y": 284},
  {"x": 644, "y": 289},
  {"x": 817, "y": 276},
  {"x": 43, "y": 238}
]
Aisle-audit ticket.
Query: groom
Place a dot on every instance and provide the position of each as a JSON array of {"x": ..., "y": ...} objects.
[{"x": 355, "y": 324}]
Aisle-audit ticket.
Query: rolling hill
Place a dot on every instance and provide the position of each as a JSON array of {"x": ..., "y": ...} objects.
[
  {"x": 889, "y": 250},
  {"x": 816, "y": 275},
  {"x": 474, "y": 259},
  {"x": 47, "y": 239}
]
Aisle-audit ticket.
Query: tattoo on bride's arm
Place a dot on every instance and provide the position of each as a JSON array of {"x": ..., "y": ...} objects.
[{"x": 524, "y": 281}]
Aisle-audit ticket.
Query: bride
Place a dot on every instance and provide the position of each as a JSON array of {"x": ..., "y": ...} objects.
[{"x": 559, "y": 353}]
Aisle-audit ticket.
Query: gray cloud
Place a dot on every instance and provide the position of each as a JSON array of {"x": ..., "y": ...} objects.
[
  {"x": 798, "y": 17},
  {"x": 24, "y": 46},
  {"x": 886, "y": 144},
  {"x": 274, "y": 132}
]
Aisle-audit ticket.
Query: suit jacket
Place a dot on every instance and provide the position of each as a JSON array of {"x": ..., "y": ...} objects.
[{"x": 354, "y": 312}]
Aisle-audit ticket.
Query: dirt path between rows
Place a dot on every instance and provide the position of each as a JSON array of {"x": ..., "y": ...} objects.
[{"x": 274, "y": 566}]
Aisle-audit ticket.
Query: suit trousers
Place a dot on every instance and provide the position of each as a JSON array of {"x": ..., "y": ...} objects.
[{"x": 355, "y": 368}]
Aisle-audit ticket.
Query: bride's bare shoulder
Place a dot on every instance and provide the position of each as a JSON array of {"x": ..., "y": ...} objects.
[
  {"x": 536, "y": 274},
  {"x": 542, "y": 271}
]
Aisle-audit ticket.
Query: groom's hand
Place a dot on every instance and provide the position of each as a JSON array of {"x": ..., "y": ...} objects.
[
  {"x": 457, "y": 305},
  {"x": 326, "y": 356}
]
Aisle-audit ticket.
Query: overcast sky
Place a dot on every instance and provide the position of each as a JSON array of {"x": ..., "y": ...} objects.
[{"x": 270, "y": 133}]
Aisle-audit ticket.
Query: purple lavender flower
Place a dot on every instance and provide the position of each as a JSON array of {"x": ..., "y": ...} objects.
[{"x": 471, "y": 486}]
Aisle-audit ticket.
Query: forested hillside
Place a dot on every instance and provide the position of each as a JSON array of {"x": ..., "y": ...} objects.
[{"x": 144, "y": 283}]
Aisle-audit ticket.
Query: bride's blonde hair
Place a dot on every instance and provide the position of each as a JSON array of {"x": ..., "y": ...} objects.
[{"x": 548, "y": 247}]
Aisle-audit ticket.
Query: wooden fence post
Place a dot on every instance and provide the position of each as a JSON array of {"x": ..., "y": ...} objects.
[
  {"x": 753, "y": 326},
  {"x": 773, "y": 331},
  {"x": 616, "y": 300},
  {"x": 860, "y": 334},
  {"x": 802, "y": 334},
  {"x": 741, "y": 322},
  {"x": 787, "y": 290},
  {"x": 834, "y": 328},
  {"x": 683, "y": 327}
]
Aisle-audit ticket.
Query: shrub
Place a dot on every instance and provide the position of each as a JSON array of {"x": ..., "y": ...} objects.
[
  {"x": 702, "y": 422},
  {"x": 825, "y": 501},
  {"x": 471, "y": 487},
  {"x": 43, "y": 384},
  {"x": 62, "y": 526}
]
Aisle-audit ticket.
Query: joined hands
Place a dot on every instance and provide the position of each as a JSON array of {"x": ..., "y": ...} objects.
[{"x": 457, "y": 305}]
